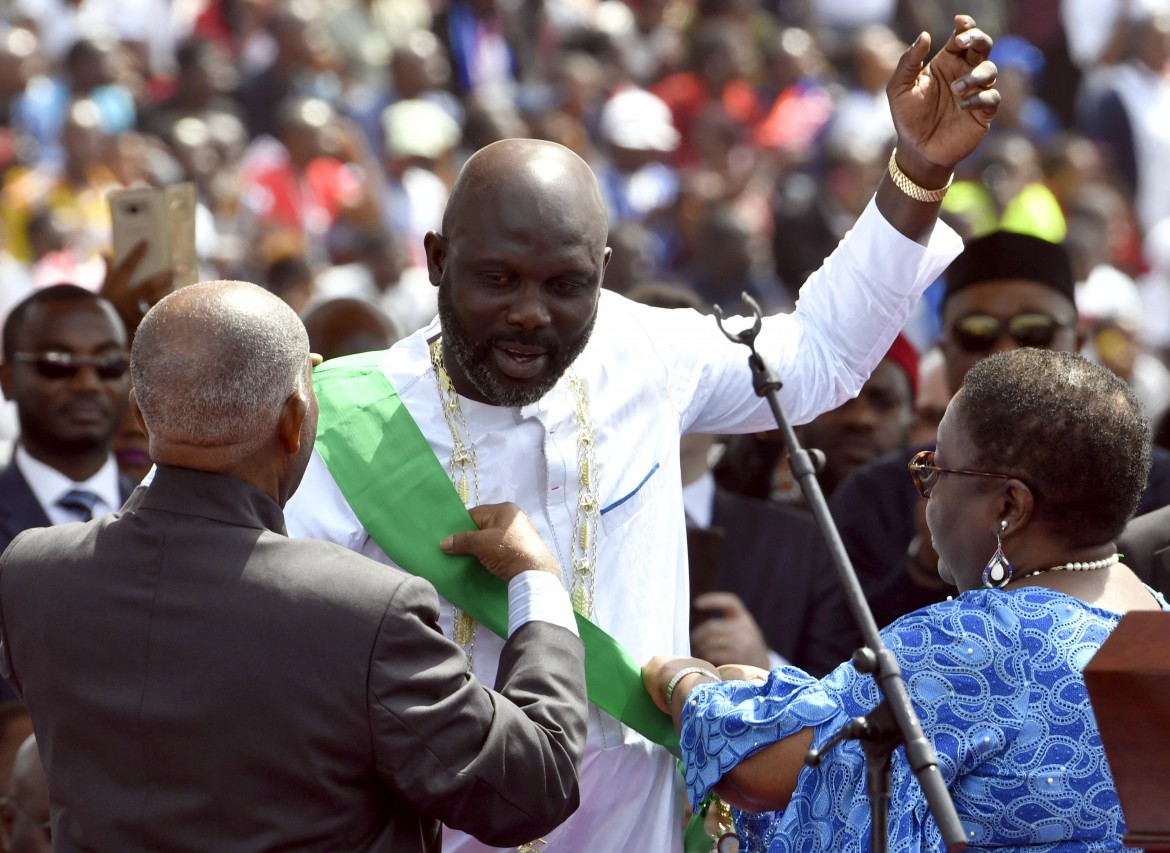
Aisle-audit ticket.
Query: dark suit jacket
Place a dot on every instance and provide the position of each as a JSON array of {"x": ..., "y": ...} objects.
[
  {"x": 19, "y": 507},
  {"x": 1145, "y": 545},
  {"x": 775, "y": 559},
  {"x": 198, "y": 681},
  {"x": 19, "y": 511}
]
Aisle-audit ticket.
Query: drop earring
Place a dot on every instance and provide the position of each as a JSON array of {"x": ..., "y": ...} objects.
[{"x": 998, "y": 571}]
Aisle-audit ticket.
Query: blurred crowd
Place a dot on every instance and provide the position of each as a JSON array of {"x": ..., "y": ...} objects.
[{"x": 735, "y": 140}]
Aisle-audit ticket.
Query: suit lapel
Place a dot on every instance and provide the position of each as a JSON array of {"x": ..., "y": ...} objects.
[
  {"x": 19, "y": 507},
  {"x": 126, "y": 487}
]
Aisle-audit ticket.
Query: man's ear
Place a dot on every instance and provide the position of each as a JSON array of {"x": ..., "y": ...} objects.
[
  {"x": 292, "y": 416},
  {"x": 435, "y": 247},
  {"x": 5, "y": 379},
  {"x": 136, "y": 413}
]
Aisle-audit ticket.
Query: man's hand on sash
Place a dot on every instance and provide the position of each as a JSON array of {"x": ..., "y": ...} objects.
[{"x": 506, "y": 543}]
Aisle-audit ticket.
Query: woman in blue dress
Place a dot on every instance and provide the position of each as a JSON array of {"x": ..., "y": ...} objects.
[{"x": 1040, "y": 461}]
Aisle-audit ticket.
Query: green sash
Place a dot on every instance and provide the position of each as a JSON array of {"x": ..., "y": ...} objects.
[{"x": 406, "y": 502}]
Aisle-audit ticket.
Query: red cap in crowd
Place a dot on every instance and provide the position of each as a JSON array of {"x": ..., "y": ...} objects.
[{"x": 903, "y": 354}]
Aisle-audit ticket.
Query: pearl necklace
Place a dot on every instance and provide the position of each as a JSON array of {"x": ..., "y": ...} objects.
[
  {"x": 1091, "y": 566},
  {"x": 583, "y": 547}
]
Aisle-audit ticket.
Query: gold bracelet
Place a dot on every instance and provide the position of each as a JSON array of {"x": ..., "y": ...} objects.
[{"x": 912, "y": 189}]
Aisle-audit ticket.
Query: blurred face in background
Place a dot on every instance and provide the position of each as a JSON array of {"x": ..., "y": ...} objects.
[
  {"x": 62, "y": 410},
  {"x": 875, "y": 422},
  {"x": 1007, "y": 314}
]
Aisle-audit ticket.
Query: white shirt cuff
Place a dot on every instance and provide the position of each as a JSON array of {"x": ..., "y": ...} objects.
[{"x": 537, "y": 595}]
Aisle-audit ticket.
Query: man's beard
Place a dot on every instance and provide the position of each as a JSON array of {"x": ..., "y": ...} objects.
[{"x": 474, "y": 358}]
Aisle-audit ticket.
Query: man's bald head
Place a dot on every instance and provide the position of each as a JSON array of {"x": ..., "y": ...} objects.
[
  {"x": 213, "y": 365},
  {"x": 529, "y": 172},
  {"x": 15, "y": 727},
  {"x": 519, "y": 267},
  {"x": 26, "y": 809},
  {"x": 28, "y": 776},
  {"x": 346, "y": 325}
]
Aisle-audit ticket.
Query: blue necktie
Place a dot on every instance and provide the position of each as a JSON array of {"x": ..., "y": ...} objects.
[{"x": 80, "y": 502}]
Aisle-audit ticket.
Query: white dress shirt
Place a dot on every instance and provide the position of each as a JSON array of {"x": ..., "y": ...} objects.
[
  {"x": 699, "y": 500},
  {"x": 49, "y": 485},
  {"x": 651, "y": 375},
  {"x": 1145, "y": 95}
]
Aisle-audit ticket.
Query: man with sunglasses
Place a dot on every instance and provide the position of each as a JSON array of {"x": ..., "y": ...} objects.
[
  {"x": 1005, "y": 291},
  {"x": 66, "y": 367}
]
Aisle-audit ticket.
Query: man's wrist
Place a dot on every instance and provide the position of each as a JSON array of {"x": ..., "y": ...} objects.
[
  {"x": 537, "y": 595},
  {"x": 928, "y": 195},
  {"x": 681, "y": 676},
  {"x": 921, "y": 171}
]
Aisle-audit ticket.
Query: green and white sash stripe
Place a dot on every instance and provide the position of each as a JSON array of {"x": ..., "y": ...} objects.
[{"x": 399, "y": 491}]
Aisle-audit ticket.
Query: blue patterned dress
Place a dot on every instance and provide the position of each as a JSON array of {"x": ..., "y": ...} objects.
[{"x": 995, "y": 678}]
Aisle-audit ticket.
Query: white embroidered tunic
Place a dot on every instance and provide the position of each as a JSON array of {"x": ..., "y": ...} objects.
[{"x": 651, "y": 375}]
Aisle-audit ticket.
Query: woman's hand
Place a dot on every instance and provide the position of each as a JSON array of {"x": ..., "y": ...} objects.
[
  {"x": 660, "y": 671},
  {"x": 132, "y": 301},
  {"x": 742, "y": 672}
]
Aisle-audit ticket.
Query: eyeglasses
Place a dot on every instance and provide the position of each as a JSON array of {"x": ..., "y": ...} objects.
[
  {"x": 979, "y": 332},
  {"x": 925, "y": 472},
  {"x": 66, "y": 365}
]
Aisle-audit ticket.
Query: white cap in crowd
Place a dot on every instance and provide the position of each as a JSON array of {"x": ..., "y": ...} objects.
[{"x": 636, "y": 119}]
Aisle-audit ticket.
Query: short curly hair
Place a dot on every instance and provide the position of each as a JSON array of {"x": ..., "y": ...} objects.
[{"x": 1069, "y": 429}]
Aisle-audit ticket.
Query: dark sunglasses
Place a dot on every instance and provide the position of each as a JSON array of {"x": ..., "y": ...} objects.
[
  {"x": 979, "y": 332},
  {"x": 66, "y": 365},
  {"x": 925, "y": 472}
]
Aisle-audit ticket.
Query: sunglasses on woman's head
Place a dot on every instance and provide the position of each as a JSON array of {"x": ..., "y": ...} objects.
[
  {"x": 66, "y": 365},
  {"x": 980, "y": 332}
]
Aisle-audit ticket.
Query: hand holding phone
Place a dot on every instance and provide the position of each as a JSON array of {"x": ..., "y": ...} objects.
[
  {"x": 162, "y": 218},
  {"x": 133, "y": 301},
  {"x": 731, "y": 634}
]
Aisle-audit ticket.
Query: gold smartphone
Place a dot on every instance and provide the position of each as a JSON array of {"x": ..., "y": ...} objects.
[{"x": 164, "y": 217}]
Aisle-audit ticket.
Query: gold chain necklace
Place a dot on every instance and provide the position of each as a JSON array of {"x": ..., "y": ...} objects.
[
  {"x": 583, "y": 548},
  {"x": 462, "y": 456},
  {"x": 588, "y": 516}
]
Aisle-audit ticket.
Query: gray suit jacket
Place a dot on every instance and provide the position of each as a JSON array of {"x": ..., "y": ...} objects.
[
  {"x": 1146, "y": 546},
  {"x": 198, "y": 681}
]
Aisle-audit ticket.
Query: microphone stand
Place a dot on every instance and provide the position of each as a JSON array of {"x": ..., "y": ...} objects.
[{"x": 893, "y": 721}]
